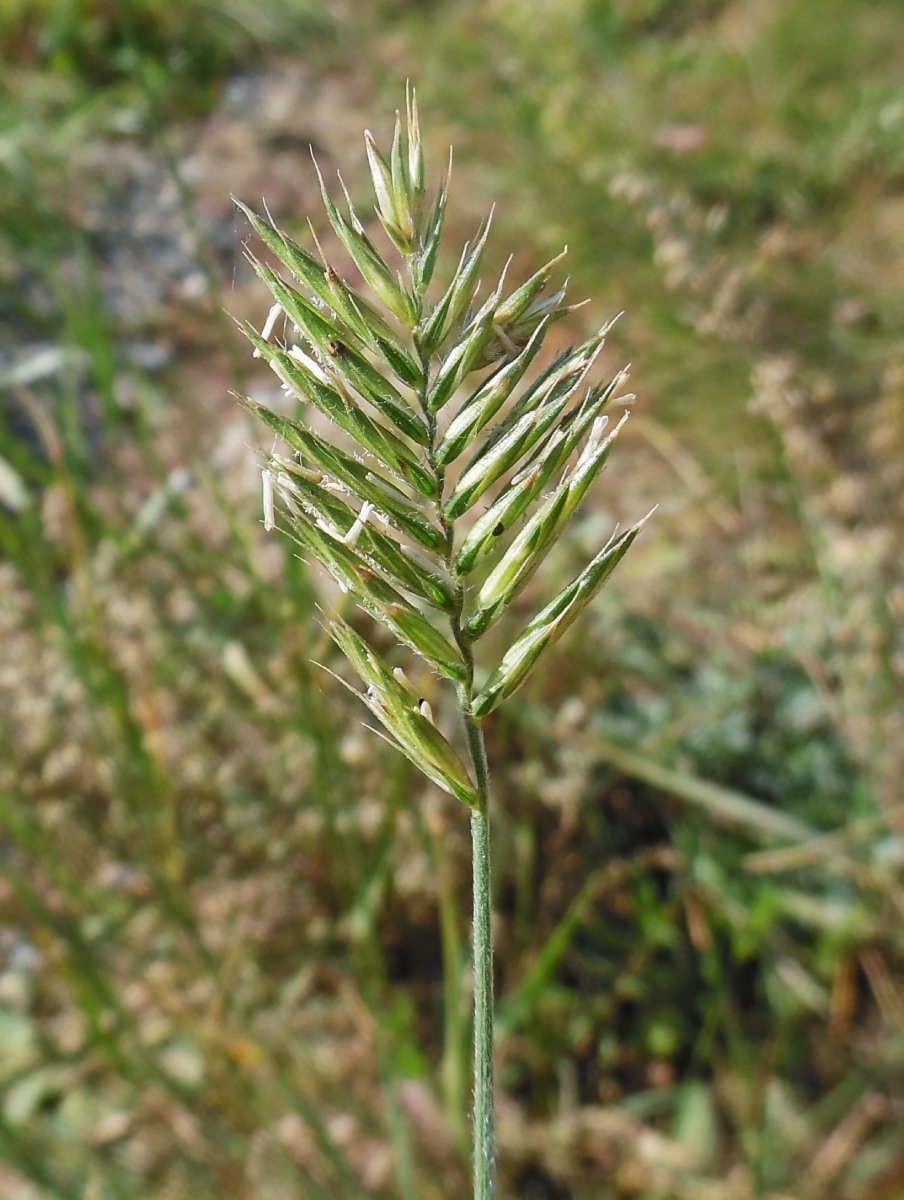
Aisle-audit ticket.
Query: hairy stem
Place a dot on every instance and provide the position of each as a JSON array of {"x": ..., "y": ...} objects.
[{"x": 484, "y": 1150}]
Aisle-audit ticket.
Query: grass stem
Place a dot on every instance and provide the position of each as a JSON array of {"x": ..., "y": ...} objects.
[{"x": 484, "y": 1149}]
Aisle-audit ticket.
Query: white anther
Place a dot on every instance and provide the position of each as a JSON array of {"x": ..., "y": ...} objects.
[
  {"x": 400, "y": 677},
  {"x": 287, "y": 493},
  {"x": 280, "y": 372},
  {"x": 267, "y": 482},
  {"x": 593, "y": 442},
  {"x": 286, "y": 484},
  {"x": 425, "y": 710},
  {"x": 354, "y": 532},
  {"x": 620, "y": 379},
  {"x": 312, "y": 365},
  {"x": 269, "y": 324}
]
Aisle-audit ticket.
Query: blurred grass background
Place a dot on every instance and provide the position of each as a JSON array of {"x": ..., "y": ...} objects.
[{"x": 233, "y": 931}]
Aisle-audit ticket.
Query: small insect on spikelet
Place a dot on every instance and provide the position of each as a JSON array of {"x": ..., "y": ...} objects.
[{"x": 433, "y": 500}]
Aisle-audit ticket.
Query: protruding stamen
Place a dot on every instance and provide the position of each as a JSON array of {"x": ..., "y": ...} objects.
[
  {"x": 267, "y": 482},
  {"x": 311, "y": 363},
  {"x": 593, "y": 441},
  {"x": 269, "y": 325},
  {"x": 350, "y": 538}
]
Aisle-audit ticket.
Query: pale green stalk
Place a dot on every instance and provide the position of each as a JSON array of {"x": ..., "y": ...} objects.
[
  {"x": 484, "y": 1149},
  {"x": 383, "y": 518}
]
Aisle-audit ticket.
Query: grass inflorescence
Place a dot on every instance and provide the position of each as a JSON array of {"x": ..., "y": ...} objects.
[{"x": 387, "y": 381}]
